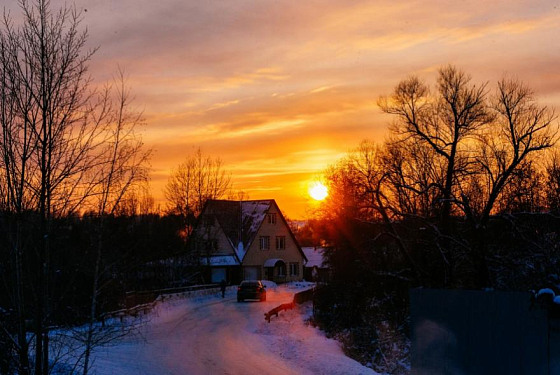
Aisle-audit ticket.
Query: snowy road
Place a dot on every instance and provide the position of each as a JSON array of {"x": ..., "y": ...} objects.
[{"x": 215, "y": 336}]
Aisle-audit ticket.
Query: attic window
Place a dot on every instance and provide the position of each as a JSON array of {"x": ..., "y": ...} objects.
[{"x": 271, "y": 218}]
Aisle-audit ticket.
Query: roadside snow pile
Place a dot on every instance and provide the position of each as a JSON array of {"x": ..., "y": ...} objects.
[
  {"x": 299, "y": 285},
  {"x": 270, "y": 284},
  {"x": 306, "y": 347}
]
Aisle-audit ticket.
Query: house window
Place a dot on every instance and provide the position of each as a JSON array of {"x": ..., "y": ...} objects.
[
  {"x": 271, "y": 218},
  {"x": 265, "y": 242},
  {"x": 294, "y": 269},
  {"x": 211, "y": 245},
  {"x": 280, "y": 242}
]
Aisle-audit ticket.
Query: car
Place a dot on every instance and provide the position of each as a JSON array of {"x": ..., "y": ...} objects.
[{"x": 251, "y": 289}]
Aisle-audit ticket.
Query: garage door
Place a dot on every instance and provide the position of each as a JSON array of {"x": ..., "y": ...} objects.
[
  {"x": 218, "y": 274},
  {"x": 250, "y": 273}
]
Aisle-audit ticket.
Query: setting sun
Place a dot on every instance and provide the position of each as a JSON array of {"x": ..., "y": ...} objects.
[{"x": 318, "y": 191}]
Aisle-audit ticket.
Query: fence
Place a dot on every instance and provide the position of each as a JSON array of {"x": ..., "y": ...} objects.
[
  {"x": 299, "y": 298},
  {"x": 478, "y": 332},
  {"x": 143, "y": 297},
  {"x": 144, "y": 301}
]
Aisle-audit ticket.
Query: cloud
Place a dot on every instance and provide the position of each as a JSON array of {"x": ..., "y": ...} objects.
[{"x": 279, "y": 90}]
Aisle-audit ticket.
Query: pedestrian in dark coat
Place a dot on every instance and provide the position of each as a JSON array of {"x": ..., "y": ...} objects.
[{"x": 223, "y": 287}]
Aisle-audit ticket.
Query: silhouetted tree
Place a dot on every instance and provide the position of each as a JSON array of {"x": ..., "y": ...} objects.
[
  {"x": 196, "y": 180},
  {"x": 553, "y": 182},
  {"x": 444, "y": 122},
  {"x": 48, "y": 138}
]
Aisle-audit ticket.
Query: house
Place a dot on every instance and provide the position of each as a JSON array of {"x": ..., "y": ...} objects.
[
  {"x": 316, "y": 269},
  {"x": 247, "y": 240}
]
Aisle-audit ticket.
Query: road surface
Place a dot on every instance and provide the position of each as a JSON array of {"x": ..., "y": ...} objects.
[{"x": 222, "y": 336}]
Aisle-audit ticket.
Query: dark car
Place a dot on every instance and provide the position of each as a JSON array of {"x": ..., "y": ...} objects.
[{"x": 251, "y": 289}]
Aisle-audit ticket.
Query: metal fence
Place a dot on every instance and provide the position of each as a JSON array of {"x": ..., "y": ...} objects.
[{"x": 478, "y": 332}]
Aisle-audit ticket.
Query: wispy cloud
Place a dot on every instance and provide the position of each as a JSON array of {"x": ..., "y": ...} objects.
[{"x": 279, "y": 90}]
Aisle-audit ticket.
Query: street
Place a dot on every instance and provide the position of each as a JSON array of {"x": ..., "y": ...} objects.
[{"x": 222, "y": 336}]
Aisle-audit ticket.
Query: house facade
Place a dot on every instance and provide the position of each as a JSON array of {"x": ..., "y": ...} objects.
[{"x": 247, "y": 240}]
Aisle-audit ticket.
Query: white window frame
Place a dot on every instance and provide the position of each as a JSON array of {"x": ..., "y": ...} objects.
[
  {"x": 272, "y": 218},
  {"x": 280, "y": 242},
  {"x": 264, "y": 242},
  {"x": 294, "y": 269}
]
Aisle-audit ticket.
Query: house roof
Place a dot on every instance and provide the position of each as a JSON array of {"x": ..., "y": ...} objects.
[
  {"x": 315, "y": 256},
  {"x": 241, "y": 220}
]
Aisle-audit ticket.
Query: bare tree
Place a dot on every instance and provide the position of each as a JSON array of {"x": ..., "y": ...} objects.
[
  {"x": 443, "y": 122},
  {"x": 17, "y": 144},
  {"x": 52, "y": 128},
  {"x": 137, "y": 202},
  {"x": 521, "y": 128},
  {"x": 196, "y": 180},
  {"x": 121, "y": 167},
  {"x": 525, "y": 192},
  {"x": 553, "y": 182},
  {"x": 414, "y": 178},
  {"x": 479, "y": 146}
]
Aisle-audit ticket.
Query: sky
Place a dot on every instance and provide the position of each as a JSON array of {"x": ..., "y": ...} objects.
[{"x": 279, "y": 90}]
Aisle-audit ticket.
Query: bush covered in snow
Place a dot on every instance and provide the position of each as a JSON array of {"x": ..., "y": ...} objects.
[{"x": 372, "y": 330}]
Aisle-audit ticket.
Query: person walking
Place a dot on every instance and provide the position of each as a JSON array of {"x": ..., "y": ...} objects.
[{"x": 223, "y": 287}]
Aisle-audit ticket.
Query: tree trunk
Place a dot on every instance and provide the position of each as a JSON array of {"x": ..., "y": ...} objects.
[{"x": 95, "y": 294}]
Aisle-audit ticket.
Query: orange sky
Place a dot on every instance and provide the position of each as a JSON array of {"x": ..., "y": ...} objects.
[{"x": 281, "y": 89}]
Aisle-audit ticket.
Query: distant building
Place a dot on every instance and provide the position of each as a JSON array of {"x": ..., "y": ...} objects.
[
  {"x": 316, "y": 269},
  {"x": 247, "y": 240}
]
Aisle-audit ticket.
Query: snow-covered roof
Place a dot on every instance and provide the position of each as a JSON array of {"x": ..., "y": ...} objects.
[
  {"x": 240, "y": 220},
  {"x": 220, "y": 260},
  {"x": 314, "y": 255}
]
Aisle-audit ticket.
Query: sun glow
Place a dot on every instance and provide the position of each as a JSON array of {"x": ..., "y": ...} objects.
[{"x": 318, "y": 191}]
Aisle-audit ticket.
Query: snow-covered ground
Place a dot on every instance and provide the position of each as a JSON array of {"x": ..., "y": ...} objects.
[{"x": 212, "y": 335}]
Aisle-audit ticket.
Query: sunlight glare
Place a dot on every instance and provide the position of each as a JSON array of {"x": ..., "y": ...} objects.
[{"x": 318, "y": 191}]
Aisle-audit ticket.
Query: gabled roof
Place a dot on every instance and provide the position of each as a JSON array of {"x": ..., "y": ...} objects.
[{"x": 241, "y": 220}]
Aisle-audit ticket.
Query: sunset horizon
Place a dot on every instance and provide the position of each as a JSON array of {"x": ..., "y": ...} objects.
[
  {"x": 280, "y": 91},
  {"x": 257, "y": 187}
]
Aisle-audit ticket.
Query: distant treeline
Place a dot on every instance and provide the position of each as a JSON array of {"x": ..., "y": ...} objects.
[{"x": 140, "y": 252}]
